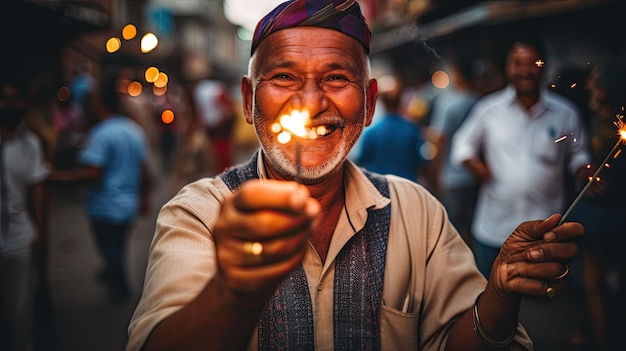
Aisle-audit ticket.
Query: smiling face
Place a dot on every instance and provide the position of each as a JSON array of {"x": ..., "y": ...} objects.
[
  {"x": 318, "y": 70},
  {"x": 522, "y": 70}
]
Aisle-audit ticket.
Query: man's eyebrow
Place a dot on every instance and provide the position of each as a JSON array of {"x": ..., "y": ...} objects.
[
  {"x": 341, "y": 66},
  {"x": 278, "y": 64},
  {"x": 330, "y": 66}
]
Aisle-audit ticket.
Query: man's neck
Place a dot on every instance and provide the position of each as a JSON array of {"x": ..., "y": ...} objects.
[{"x": 527, "y": 101}]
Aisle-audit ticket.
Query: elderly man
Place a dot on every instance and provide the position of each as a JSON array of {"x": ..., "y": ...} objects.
[{"x": 345, "y": 259}]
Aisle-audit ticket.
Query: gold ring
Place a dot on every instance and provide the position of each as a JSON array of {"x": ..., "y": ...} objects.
[
  {"x": 253, "y": 248},
  {"x": 551, "y": 293},
  {"x": 564, "y": 274}
]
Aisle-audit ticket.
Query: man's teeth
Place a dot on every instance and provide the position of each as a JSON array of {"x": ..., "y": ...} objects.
[{"x": 323, "y": 130}]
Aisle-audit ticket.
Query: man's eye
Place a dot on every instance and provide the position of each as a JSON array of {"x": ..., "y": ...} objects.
[
  {"x": 337, "y": 78},
  {"x": 337, "y": 81},
  {"x": 282, "y": 76},
  {"x": 283, "y": 80}
]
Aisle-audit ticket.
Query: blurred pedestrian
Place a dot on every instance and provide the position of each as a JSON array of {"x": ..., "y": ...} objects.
[
  {"x": 115, "y": 163},
  {"x": 508, "y": 143},
  {"x": 82, "y": 83},
  {"x": 394, "y": 144},
  {"x": 603, "y": 211},
  {"x": 22, "y": 220},
  {"x": 69, "y": 124},
  {"x": 454, "y": 184},
  {"x": 214, "y": 106}
]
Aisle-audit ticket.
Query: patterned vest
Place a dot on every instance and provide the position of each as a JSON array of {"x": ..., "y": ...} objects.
[{"x": 286, "y": 322}]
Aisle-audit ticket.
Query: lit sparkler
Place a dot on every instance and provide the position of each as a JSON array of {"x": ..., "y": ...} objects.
[
  {"x": 292, "y": 125},
  {"x": 621, "y": 130}
]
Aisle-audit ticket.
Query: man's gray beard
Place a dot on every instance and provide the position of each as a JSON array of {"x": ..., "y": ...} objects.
[{"x": 286, "y": 167}]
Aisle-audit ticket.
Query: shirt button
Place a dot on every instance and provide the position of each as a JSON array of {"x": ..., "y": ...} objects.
[{"x": 320, "y": 286}]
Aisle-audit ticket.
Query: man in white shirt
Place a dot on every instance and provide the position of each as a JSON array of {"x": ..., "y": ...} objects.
[{"x": 512, "y": 144}]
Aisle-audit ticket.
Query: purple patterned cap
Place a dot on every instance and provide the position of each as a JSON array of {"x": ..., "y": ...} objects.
[{"x": 342, "y": 15}]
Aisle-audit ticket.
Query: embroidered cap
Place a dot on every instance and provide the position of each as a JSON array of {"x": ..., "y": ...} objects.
[{"x": 341, "y": 15}]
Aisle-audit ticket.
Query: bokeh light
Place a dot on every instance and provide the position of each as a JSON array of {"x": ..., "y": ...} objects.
[
  {"x": 167, "y": 116},
  {"x": 151, "y": 74},
  {"x": 149, "y": 42},
  {"x": 428, "y": 151},
  {"x": 129, "y": 31},
  {"x": 134, "y": 88},
  {"x": 440, "y": 79},
  {"x": 284, "y": 137},
  {"x": 161, "y": 80},
  {"x": 63, "y": 94},
  {"x": 113, "y": 44},
  {"x": 159, "y": 91}
]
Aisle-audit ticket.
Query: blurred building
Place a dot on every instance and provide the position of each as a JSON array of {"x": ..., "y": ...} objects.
[
  {"x": 195, "y": 38},
  {"x": 577, "y": 32}
]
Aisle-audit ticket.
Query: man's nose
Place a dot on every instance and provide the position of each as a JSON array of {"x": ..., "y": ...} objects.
[{"x": 311, "y": 97}]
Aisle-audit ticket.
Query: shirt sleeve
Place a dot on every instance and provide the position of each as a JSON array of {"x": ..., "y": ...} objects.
[
  {"x": 182, "y": 257},
  {"x": 95, "y": 152},
  {"x": 466, "y": 142},
  {"x": 38, "y": 170}
]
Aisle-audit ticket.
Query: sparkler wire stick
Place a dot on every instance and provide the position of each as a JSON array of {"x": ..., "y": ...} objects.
[
  {"x": 298, "y": 162},
  {"x": 592, "y": 179}
]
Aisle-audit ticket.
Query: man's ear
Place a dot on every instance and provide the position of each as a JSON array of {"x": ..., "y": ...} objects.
[
  {"x": 371, "y": 96},
  {"x": 247, "y": 96}
]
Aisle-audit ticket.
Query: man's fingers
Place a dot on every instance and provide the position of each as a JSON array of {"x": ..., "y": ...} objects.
[
  {"x": 271, "y": 194},
  {"x": 545, "y": 225},
  {"x": 549, "y": 229},
  {"x": 565, "y": 232}
]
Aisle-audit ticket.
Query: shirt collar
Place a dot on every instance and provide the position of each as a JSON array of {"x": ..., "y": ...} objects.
[{"x": 361, "y": 195}]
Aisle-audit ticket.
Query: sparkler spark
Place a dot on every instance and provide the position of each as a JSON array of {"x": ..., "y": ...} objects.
[
  {"x": 294, "y": 125},
  {"x": 539, "y": 63},
  {"x": 560, "y": 139},
  {"x": 621, "y": 131}
]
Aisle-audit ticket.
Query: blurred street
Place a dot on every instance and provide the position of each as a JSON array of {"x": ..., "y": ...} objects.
[{"x": 84, "y": 319}]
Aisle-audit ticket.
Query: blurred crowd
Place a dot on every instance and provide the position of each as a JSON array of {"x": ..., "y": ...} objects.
[{"x": 105, "y": 139}]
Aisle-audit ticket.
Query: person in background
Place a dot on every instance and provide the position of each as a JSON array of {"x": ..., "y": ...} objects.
[
  {"x": 393, "y": 145},
  {"x": 508, "y": 143},
  {"x": 343, "y": 258},
  {"x": 114, "y": 162},
  {"x": 23, "y": 216},
  {"x": 82, "y": 83},
  {"x": 603, "y": 210},
  {"x": 214, "y": 106},
  {"x": 455, "y": 185}
]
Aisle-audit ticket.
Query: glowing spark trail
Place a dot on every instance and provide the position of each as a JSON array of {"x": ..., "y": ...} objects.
[
  {"x": 560, "y": 139},
  {"x": 621, "y": 130},
  {"x": 563, "y": 138}
]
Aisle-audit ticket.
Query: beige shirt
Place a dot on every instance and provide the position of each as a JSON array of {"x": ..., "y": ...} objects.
[{"x": 430, "y": 276}]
